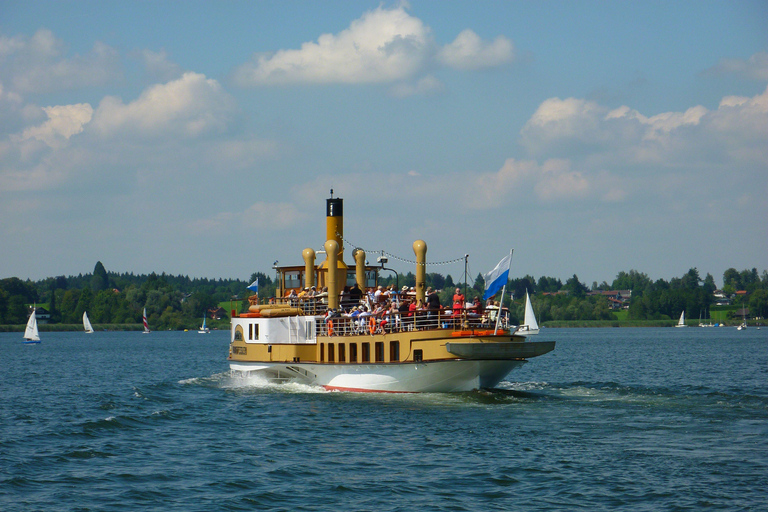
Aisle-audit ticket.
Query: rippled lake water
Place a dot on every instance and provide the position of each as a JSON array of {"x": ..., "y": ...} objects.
[{"x": 632, "y": 419}]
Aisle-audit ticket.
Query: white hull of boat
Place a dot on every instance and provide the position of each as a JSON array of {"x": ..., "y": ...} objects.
[{"x": 423, "y": 377}]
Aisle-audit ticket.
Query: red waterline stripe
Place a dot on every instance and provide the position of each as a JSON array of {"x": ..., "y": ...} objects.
[{"x": 359, "y": 390}]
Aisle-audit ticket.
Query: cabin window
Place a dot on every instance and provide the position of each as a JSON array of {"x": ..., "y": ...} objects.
[
  {"x": 379, "y": 351},
  {"x": 370, "y": 279},
  {"x": 342, "y": 353},
  {"x": 351, "y": 278},
  {"x": 253, "y": 331},
  {"x": 310, "y": 329},
  {"x": 366, "y": 352},
  {"x": 353, "y": 352},
  {"x": 322, "y": 352},
  {"x": 330, "y": 353},
  {"x": 418, "y": 355},
  {"x": 394, "y": 351},
  {"x": 239, "y": 333},
  {"x": 293, "y": 279}
]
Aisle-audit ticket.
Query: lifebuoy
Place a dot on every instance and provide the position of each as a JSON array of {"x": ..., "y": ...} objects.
[
  {"x": 372, "y": 325},
  {"x": 330, "y": 327}
]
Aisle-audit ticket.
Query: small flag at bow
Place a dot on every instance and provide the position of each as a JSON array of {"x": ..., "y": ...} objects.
[{"x": 254, "y": 286}]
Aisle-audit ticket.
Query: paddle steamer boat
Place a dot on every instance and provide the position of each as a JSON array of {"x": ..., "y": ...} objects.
[{"x": 315, "y": 341}]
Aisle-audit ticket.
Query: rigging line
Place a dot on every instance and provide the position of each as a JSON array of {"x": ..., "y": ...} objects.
[{"x": 399, "y": 258}]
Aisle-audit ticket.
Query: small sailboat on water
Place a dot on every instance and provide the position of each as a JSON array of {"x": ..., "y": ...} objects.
[
  {"x": 144, "y": 319},
  {"x": 203, "y": 329},
  {"x": 529, "y": 326},
  {"x": 31, "y": 335},
  {"x": 87, "y": 323},
  {"x": 743, "y": 319},
  {"x": 681, "y": 322}
]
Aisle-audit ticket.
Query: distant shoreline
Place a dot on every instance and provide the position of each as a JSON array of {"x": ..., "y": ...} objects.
[
  {"x": 72, "y": 327},
  {"x": 552, "y": 324}
]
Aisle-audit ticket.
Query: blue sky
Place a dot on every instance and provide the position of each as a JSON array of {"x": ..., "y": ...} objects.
[{"x": 202, "y": 138}]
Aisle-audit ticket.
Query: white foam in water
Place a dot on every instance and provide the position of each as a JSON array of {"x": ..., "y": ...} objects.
[{"x": 254, "y": 380}]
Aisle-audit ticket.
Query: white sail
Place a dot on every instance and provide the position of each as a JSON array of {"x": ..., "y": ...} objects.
[
  {"x": 30, "y": 333},
  {"x": 203, "y": 329},
  {"x": 87, "y": 323},
  {"x": 144, "y": 319},
  {"x": 529, "y": 326},
  {"x": 681, "y": 322}
]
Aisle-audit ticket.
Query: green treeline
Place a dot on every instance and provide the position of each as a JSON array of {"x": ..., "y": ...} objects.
[
  {"x": 179, "y": 302},
  {"x": 554, "y": 300},
  {"x": 172, "y": 302}
]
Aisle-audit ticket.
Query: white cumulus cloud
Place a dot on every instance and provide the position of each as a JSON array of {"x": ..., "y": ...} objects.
[
  {"x": 159, "y": 66},
  {"x": 469, "y": 52},
  {"x": 382, "y": 46},
  {"x": 189, "y": 106},
  {"x": 38, "y": 64},
  {"x": 576, "y": 127},
  {"x": 63, "y": 122}
]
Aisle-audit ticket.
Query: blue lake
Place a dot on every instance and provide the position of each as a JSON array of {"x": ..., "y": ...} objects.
[{"x": 613, "y": 419}]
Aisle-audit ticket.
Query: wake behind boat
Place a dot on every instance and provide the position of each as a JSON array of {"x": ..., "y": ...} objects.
[{"x": 345, "y": 339}]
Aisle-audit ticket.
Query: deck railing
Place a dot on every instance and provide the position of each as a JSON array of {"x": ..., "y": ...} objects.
[{"x": 348, "y": 322}]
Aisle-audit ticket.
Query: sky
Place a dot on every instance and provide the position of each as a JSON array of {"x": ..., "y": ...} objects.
[{"x": 203, "y": 138}]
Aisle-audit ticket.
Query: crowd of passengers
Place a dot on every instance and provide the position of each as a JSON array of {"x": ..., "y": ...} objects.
[{"x": 388, "y": 309}]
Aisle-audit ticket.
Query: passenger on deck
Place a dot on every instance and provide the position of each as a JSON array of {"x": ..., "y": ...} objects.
[
  {"x": 378, "y": 295},
  {"x": 393, "y": 315},
  {"x": 458, "y": 303},
  {"x": 344, "y": 299},
  {"x": 476, "y": 308},
  {"x": 355, "y": 294},
  {"x": 433, "y": 307}
]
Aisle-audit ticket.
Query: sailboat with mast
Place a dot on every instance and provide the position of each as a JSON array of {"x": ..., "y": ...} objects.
[
  {"x": 203, "y": 329},
  {"x": 144, "y": 319},
  {"x": 31, "y": 334},
  {"x": 681, "y": 322},
  {"x": 87, "y": 323},
  {"x": 530, "y": 326}
]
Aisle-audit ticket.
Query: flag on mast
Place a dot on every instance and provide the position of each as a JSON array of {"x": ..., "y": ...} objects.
[
  {"x": 254, "y": 286},
  {"x": 497, "y": 278}
]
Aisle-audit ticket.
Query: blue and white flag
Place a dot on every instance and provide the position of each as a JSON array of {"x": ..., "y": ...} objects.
[
  {"x": 254, "y": 286},
  {"x": 496, "y": 279}
]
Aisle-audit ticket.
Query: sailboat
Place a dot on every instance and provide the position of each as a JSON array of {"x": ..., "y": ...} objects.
[
  {"x": 144, "y": 319},
  {"x": 30, "y": 333},
  {"x": 681, "y": 322},
  {"x": 529, "y": 326},
  {"x": 203, "y": 329},
  {"x": 87, "y": 323},
  {"x": 743, "y": 320}
]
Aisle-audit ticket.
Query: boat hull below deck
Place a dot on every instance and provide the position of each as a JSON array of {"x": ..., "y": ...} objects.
[{"x": 423, "y": 377}]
